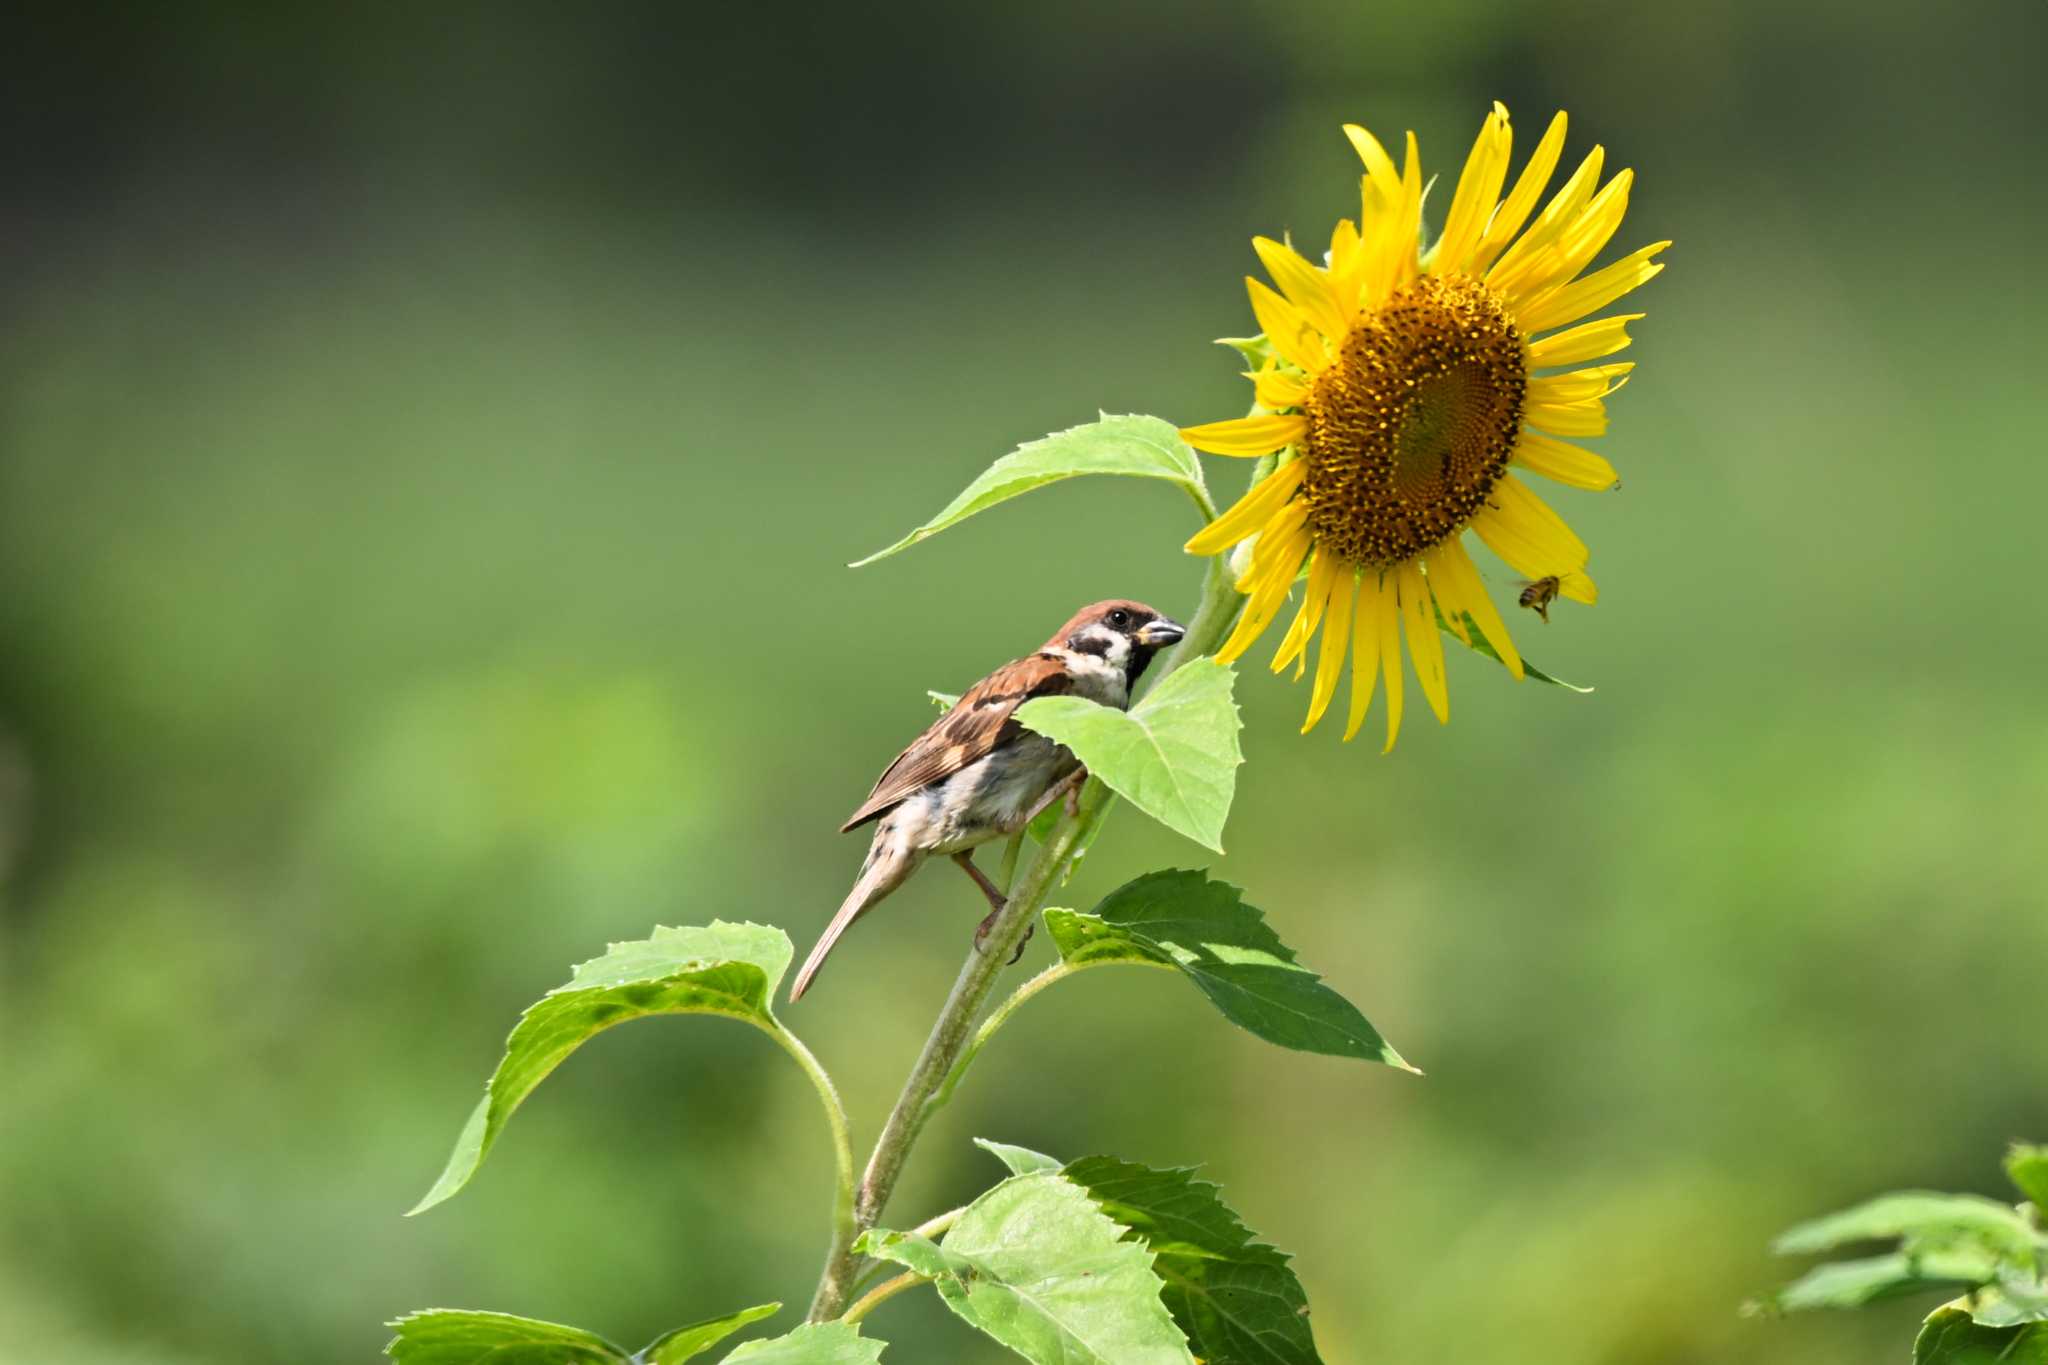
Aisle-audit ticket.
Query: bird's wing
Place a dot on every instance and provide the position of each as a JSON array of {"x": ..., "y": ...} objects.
[{"x": 978, "y": 722}]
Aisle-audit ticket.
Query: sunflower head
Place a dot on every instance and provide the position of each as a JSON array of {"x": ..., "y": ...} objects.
[{"x": 1401, "y": 396}]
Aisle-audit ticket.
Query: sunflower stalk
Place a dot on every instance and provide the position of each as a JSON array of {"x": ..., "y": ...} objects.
[{"x": 947, "y": 1051}]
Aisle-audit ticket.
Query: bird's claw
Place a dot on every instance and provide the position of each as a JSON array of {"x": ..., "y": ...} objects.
[{"x": 988, "y": 922}]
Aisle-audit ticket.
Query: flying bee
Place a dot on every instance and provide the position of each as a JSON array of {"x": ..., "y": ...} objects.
[{"x": 1538, "y": 594}]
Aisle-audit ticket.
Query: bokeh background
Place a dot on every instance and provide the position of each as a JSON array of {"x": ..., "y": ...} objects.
[{"x": 430, "y": 443}]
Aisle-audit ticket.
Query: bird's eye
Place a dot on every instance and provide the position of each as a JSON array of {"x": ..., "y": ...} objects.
[{"x": 1119, "y": 617}]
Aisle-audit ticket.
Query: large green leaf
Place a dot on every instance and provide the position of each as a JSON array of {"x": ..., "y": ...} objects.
[
  {"x": 447, "y": 1336},
  {"x": 1237, "y": 1300},
  {"x": 684, "y": 1343},
  {"x": 1950, "y": 1337},
  {"x": 1035, "y": 1265},
  {"x": 728, "y": 969},
  {"x": 1204, "y": 930},
  {"x": 1174, "y": 755},
  {"x": 1922, "y": 1218},
  {"x": 1851, "y": 1284},
  {"x": 822, "y": 1343},
  {"x": 1143, "y": 447}
]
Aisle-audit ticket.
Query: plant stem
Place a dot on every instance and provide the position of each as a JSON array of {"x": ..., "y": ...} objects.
[
  {"x": 1059, "y": 971},
  {"x": 948, "y": 1047},
  {"x": 843, "y": 1228},
  {"x": 881, "y": 1293}
]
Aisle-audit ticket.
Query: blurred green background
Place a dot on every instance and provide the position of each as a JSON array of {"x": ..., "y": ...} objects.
[{"x": 430, "y": 441}]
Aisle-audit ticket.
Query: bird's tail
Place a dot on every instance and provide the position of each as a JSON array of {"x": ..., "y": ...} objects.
[{"x": 887, "y": 867}]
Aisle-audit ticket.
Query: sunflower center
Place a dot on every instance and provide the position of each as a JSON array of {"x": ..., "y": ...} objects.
[{"x": 1413, "y": 422}]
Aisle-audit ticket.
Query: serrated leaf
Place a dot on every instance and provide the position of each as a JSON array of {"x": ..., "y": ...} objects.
[
  {"x": 684, "y": 1343},
  {"x": 1137, "y": 446},
  {"x": 1204, "y": 930},
  {"x": 1035, "y": 1265},
  {"x": 1174, "y": 755},
  {"x": 1020, "y": 1160},
  {"x": 1919, "y": 1216},
  {"x": 1851, "y": 1284},
  {"x": 821, "y": 1343},
  {"x": 1475, "y": 640},
  {"x": 449, "y": 1336},
  {"x": 721, "y": 968},
  {"x": 1237, "y": 1300},
  {"x": 2026, "y": 1165},
  {"x": 1950, "y": 1337}
]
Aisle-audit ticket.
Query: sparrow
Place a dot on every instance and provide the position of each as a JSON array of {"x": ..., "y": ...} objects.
[{"x": 977, "y": 774}]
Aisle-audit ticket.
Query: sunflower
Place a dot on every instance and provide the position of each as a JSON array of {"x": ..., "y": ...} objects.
[{"x": 1400, "y": 398}]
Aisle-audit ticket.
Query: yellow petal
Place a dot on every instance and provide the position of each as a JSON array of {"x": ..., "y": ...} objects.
[
  {"x": 1365, "y": 653},
  {"x": 1347, "y": 255},
  {"x": 1264, "y": 559},
  {"x": 1486, "y": 166},
  {"x": 1458, "y": 589},
  {"x": 1274, "y": 568},
  {"x": 1579, "y": 586},
  {"x": 1557, "y": 215},
  {"x": 1588, "y": 341},
  {"x": 1390, "y": 657},
  {"x": 1578, "y": 244},
  {"x": 1514, "y": 210},
  {"x": 1336, "y": 642},
  {"x": 1277, "y": 388},
  {"x": 1390, "y": 259},
  {"x": 1520, "y": 528},
  {"x": 1566, "y": 463},
  {"x": 1587, "y": 418},
  {"x": 1250, "y": 513},
  {"x": 1304, "y": 285},
  {"x": 1293, "y": 338},
  {"x": 1602, "y": 287},
  {"x": 1379, "y": 167},
  {"x": 1321, "y": 577},
  {"x": 1596, "y": 381},
  {"x": 1425, "y": 645},
  {"x": 1252, "y": 436}
]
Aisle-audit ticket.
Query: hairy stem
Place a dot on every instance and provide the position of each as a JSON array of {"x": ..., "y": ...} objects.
[
  {"x": 882, "y": 1293},
  {"x": 843, "y": 1228},
  {"x": 953, "y": 1037}
]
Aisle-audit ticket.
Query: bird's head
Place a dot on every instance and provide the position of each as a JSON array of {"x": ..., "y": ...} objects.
[{"x": 1124, "y": 633}]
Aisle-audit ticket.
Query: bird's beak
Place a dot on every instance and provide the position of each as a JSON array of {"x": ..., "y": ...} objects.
[{"x": 1154, "y": 634}]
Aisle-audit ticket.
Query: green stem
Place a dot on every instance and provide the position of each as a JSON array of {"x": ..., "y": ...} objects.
[
  {"x": 882, "y": 1293},
  {"x": 953, "y": 1032},
  {"x": 1000, "y": 1015},
  {"x": 843, "y": 1228}
]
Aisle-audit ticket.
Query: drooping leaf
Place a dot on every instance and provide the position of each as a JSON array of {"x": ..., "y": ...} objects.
[
  {"x": 820, "y": 1343},
  {"x": 1237, "y": 1300},
  {"x": 1851, "y": 1284},
  {"x": 1928, "y": 1219},
  {"x": 2026, "y": 1165},
  {"x": 1950, "y": 1337},
  {"x": 1035, "y": 1265},
  {"x": 1475, "y": 640},
  {"x": 728, "y": 969},
  {"x": 684, "y": 1343},
  {"x": 1204, "y": 930},
  {"x": 449, "y": 1336},
  {"x": 1020, "y": 1160},
  {"x": 1174, "y": 755},
  {"x": 1141, "y": 447}
]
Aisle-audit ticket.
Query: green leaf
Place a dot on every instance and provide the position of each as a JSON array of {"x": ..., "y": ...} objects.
[
  {"x": 1475, "y": 640},
  {"x": 1204, "y": 930},
  {"x": 1950, "y": 1337},
  {"x": 2026, "y": 1165},
  {"x": 1851, "y": 1284},
  {"x": 1142, "y": 447},
  {"x": 448, "y": 1336},
  {"x": 1174, "y": 755},
  {"x": 822, "y": 1343},
  {"x": 1236, "y": 1299},
  {"x": 1035, "y": 1265},
  {"x": 1920, "y": 1217},
  {"x": 728, "y": 969},
  {"x": 1020, "y": 1160},
  {"x": 673, "y": 1348}
]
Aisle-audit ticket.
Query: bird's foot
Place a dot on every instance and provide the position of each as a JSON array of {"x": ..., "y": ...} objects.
[
  {"x": 996, "y": 895},
  {"x": 1074, "y": 785},
  {"x": 988, "y": 922}
]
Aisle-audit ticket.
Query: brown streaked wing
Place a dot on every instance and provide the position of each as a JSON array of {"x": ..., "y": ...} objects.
[{"x": 978, "y": 722}]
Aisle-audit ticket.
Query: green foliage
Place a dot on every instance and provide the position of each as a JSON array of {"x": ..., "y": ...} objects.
[
  {"x": 726, "y": 969},
  {"x": 1204, "y": 930},
  {"x": 1993, "y": 1250},
  {"x": 685, "y": 1343},
  {"x": 1035, "y": 1265},
  {"x": 2026, "y": 1165},
  {"x": 1469, "y": 635},
  {"x": 824, "y": 1343},
  {"x": 1174, "y": 755},
  {"x": 1141, "y": 447},
  {"x": 444, "y": 1336}
]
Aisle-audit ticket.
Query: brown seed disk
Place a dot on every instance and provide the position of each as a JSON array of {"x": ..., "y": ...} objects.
[{"x": 1414, "y": 421}]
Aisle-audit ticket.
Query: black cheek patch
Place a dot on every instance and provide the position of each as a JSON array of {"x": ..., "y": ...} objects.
[{"x": 1089, "y": 644}]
